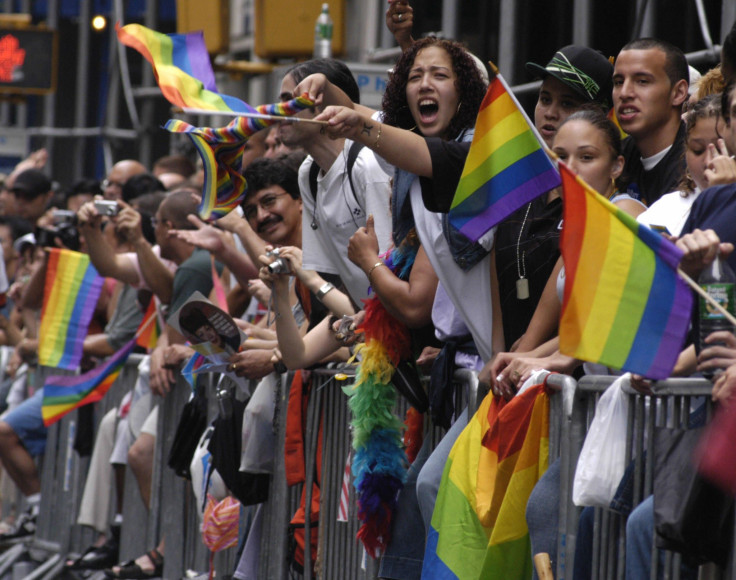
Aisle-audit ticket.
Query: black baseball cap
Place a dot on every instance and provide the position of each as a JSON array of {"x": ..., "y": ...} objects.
[
  {"x": 31, "y": 183},
  {"x": 586, "y": 71}
]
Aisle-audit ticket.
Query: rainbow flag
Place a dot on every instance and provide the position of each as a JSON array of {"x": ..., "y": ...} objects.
[
  {"x": 221, "y": 151},
  {"x": 192, "y": 369},
  {"x": 624, "y": 304},
  {"x": 614, "y": 119},
  {"x": 149, "y": 329},
  {"x": 71, "y": 290},
  {"x": 478, "y": 525},
  {"x": 506, "y": 166},
  {"x": 182, "y": 68},
  {"x": 63, "y": 394}
]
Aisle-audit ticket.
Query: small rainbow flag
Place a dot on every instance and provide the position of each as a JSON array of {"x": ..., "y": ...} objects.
[
  {"x": 63, "y": 394},
  {"x": 182, "y": 68},
  {"x": 221, "y": 151},
  {"x": 506, "y": 167},
  {"x": 478, "y": 526},
  {"x": 624, "y": 304},
  {"x": 71, "y": 290},
  {"x": 193, "y": 367},
  {"x": 614, "y": 119},
  {"x": 149, "y": 329}
]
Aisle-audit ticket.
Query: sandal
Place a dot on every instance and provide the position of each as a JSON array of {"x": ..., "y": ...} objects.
[
  {"x": 133, "y": 571},
  {"x": 96, "y": 557}
]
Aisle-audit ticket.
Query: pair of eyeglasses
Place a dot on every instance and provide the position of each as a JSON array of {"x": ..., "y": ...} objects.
[
  {"x": 267, "y": 202},
  {"x": 109, "y": 183}
]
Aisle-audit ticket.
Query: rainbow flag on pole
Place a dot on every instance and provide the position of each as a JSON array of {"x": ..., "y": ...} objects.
[
  {"x": 506, "y": 166},
  {"x": 63, "y": 394},
  {"x": 70, "y": 295},
  {"x": 149, "y": 329},
  {"x": 221, "y": 151},
  {"x": 182, "y": 68},
  {"x": 185, "y": 76},
  {"x": 478, "y": 526},
  {"x": 624, "y": 304}
]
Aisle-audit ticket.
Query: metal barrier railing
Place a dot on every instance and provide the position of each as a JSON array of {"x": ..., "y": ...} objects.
[
  {"x": 669, "y": 405},
  {"x": 62, "y": 474},
  {"x": 339, "y": 554}
]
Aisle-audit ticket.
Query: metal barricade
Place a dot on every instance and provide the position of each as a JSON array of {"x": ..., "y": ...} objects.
[
  {"x": 62, "y": 473},
  {"x": 340, "y": 555},
  {"x": 668, "y": 406}
]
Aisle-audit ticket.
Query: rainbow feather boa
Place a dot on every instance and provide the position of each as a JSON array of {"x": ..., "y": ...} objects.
[{"x": 379, "y": 461}]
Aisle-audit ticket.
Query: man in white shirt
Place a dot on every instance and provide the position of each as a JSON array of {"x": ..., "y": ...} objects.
[{"x": 341, "y": 184}]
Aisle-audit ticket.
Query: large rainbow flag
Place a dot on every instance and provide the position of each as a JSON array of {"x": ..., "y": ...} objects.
[
  {"x": 221, "y": 151},
  {"x": 71, "y": 290},
  {"x": 624, "y": 304},
  {"x": 63, "y": 394},
  {"x": 506, "y": 166},
  {"x": 182, "y": 68},
  {"x": 478, "y": 526}
]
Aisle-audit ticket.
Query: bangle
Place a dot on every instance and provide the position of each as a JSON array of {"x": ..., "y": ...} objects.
[
  {"x": 376, "y": 145},
  {"x": 376, "y": 265},
  {"x": 324, "y": 289}
]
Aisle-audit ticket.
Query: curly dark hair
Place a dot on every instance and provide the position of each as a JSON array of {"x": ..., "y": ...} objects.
[{"x": 471, "y": 87}]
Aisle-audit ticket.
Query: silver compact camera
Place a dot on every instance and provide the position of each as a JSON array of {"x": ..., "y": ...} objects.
[
  {"x": 279, "y": 264},
  {"x": 106, "y": 207}
]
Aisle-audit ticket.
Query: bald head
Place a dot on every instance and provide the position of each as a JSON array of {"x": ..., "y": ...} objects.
[{"x": 122, "y": 171}]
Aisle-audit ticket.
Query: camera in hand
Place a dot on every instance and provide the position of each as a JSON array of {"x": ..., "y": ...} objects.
[
  {"x": 279, "y": 265},
  {"x": 66, "y": 234},
  {"x": 107, "y": 208},
  {"x": 64, "y": 217}
]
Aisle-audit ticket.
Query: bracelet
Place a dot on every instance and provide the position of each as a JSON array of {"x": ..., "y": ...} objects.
[
  {"x": 376, "y": 145},
  {"x": 376, "y": 265},
  {"x": 324, "y": 289}
]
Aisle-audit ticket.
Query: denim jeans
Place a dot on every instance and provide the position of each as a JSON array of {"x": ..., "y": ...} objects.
[
  {"x": 543, "y": 514},
  {"x": 404, "y": 554}
]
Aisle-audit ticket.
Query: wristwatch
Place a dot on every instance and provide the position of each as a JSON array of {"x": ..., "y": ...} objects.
[{"x": 324, "y": 289}]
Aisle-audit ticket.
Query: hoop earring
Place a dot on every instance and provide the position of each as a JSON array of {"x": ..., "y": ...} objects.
[{"x": 460, "y": 104}]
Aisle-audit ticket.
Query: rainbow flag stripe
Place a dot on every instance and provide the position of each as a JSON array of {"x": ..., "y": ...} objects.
[
  {"x": 221, "y": 151},
  {"x": 478, "y": 526},
  {"x": 506, "y": 166},
  {"x": 63, "y": 394},
  {"x": 182, "y": 68},
  {"x": 71, "y": 290},
  {"x": 614, "y": 119},
  {"x": 624, "y": 304},
  {"x": 149, "y": 329}
]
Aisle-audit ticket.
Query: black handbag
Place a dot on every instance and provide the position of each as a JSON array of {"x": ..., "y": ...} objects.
[
  {"x": 691, "y": 515},
  {"x": 225, "y": 447},
  {"x": 192, "y": 423},
  {"x": 406, "y": 380}
]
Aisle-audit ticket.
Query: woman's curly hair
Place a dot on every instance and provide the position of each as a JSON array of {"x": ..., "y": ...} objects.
[{"x": 471, "y": 87}]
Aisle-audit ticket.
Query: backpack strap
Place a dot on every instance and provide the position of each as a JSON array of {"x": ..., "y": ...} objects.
[
  {"x": 313, "y": 173},
  {"x": 353, "y": 153},
  {"x": 314, "y": 170}
]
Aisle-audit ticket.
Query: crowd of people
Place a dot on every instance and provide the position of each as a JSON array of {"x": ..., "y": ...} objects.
[{"x": 356, "y": 208}]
